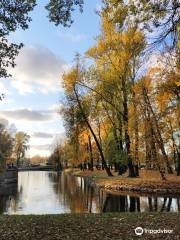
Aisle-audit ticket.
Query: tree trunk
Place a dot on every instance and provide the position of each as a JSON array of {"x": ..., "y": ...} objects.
[
  {"x": 136, "y": 130},
  {"x": 155, "y": 156},
  {"x": 178, "y": 164},
  {"x": 127, "y": 138},
  {"x": 90, "y": 153},
  {"x": 157, "y": 133},
  {"x": 94, "y": 135},
  {"x": 152, "y": 156},
  {"x": 148, "y": 147}
]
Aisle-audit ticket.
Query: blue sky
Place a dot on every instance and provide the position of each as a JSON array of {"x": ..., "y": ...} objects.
[{"x": 34, "y": 92}]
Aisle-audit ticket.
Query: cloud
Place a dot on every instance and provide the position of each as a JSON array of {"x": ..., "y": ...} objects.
[
  {"x": 38, "y": 70},
  {"x": 98, "y": 7},
  {"x": 72, "y": 37},
  {"x": 56, "y": 108},
  {"x": 6, "y": 101},
  {"x": 42, "y": 135},
  {"x": 3, "y": 89},
  {"x": 4, "y": 122},
  {"x": 10, "y": 127},
  {"x": 41, "y": 147},
  {"x": 154, "y": 60},
  {"x": 27, "y": 115}
]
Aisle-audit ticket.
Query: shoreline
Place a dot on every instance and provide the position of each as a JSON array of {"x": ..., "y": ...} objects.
[{"x": 123, "y": 184}]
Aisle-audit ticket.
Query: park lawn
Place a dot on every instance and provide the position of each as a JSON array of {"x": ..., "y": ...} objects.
[
  {"x": 115, "y": 226},
  {"x": 147, "y": 182}
]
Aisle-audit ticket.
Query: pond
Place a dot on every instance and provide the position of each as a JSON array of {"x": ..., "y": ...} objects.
[{"x": 45, "y": 192}]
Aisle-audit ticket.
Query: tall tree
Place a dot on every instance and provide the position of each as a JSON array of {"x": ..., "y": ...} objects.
[
  {"x": 6, "y": 146},
  {"x": 72, "y": 87},
  {"x": 14, "y": 14},
  {"x": 117, "y": 55},
  {"x": 21, "y": 145},
  {"x": 159, "y": 18}
]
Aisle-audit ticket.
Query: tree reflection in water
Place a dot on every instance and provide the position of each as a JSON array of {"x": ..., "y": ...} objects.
[
  {"x": 8, "y": 194},
  {"x": 120, "y": 203},
  {"x": 76, "y": 193},
  {"x": 81, "y": 197},
  {"x": 48, "y": 192}
]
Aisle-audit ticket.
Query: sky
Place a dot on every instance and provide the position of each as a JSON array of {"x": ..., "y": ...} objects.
[{"x": 34, "y": 93}]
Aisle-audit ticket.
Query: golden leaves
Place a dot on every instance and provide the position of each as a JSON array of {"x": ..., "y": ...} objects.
[{"x": 70, "y": 80}]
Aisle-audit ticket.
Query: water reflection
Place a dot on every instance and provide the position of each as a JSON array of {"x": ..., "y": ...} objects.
[
  {"x": 120, "y": 203},
  {"x": 47, "y": 192},
  {"x": 75, "y": 193},
  {"x": 7, "y": 196}
]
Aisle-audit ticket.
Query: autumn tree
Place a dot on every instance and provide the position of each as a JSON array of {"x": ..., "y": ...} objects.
[
  {"x": 160, "y": 19},
  {"x": 21, "y": 146},
  {"x": 73, "y": 81},
  {"x": 168, "y": 100},
  {"x": 6, "y": 146},
  {"x": 117, "y": 57},
  {"x": 74, "y": 125},
  {"x": 129, "y": 109}
]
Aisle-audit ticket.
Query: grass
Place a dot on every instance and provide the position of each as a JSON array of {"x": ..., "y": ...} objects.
[
  {"x": 147, "y": 182},
  {"x": 115, "y": 226}
]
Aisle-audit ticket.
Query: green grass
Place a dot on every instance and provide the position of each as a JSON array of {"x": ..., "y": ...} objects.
[{"x": 115, "y": 226}]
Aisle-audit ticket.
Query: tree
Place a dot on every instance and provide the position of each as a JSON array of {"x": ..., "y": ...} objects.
[
  {"x": 155, "y": 123},
  {"x": 159, "y": 18},
  {"x": 74, "y": 90},
  {"x": 21, "y": 145},
  {"x": 132, "y": 116},
  {"x": 168, "y": 100},
  {"x": 15, "y": 14},
  {"x": 117, "y": 55},
  {"x": 6, "y": 146},
  {"x": 60, "y": 11},
  {"x": 57, "y": 156}
]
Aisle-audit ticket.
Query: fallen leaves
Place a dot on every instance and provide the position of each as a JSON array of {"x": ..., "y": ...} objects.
[{"x": 112, "y": 226}]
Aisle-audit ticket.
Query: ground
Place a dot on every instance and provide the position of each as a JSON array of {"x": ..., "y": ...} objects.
[
  {"x": 147, "y": 182},
  {"x": 112, "y": 226}
]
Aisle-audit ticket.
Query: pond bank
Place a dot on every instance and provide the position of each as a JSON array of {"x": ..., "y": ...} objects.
[
  {"x": 8, "y": 176},
  {"x": 88, "y": 226},
  {"x": 148, "y": 182}
]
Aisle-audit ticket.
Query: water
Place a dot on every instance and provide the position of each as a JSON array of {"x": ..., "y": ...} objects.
[{"x": 47, "y": 193}]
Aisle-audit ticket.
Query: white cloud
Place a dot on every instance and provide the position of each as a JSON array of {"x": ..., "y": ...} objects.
[
  {"x": 56, "y": 107},
  {"x": 28, "y": 115},
  {"x": 38, "y": 70},
  {"x": 165, "y": 61},
  {"x": 22, "y": 87},
  {"x": 3, "y": 89},
  {"x": 42, "y": 135},
  {"x": 34, "y": 151},
  {"x": 41, "y": 147},
  {"x": 6, "y": 101},
  {"x": 4, "y": 122},
  {"x": 72, "y": 37},
  {"x": 98, "y": 7},
  {"x": 154, "y": 60}
]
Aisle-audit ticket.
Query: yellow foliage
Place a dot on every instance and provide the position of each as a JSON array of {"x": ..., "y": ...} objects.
[{"x": 70, "y": 80}]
